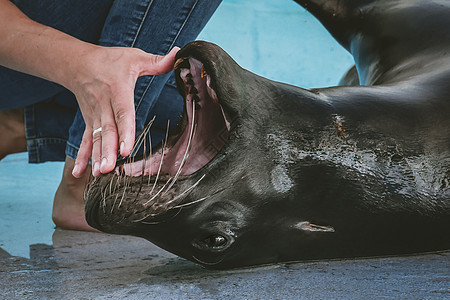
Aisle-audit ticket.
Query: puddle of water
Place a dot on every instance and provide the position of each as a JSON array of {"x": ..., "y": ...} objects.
[{"x": 26, "y": 198}]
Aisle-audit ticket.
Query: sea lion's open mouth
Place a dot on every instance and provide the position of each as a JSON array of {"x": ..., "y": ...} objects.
[
  {"x": 144, "y": 188},
  {"x": 203, "y": 129}
]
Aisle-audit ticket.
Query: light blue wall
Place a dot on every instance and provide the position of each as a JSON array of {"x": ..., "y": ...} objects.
[{"x": 280, "y": 40}]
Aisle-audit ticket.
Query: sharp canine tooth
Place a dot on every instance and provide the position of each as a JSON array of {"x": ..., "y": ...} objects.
[
  {"x": 182, "y": 63},
  {"x": 208, "y": 81},
  {"x": 210, "y": 90},
  {"x": 203, "y": 73}
]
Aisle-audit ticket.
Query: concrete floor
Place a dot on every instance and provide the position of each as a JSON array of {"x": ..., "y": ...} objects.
[
  {"x": 83, "y": 265},
  {"x": 39, "y": 262}
]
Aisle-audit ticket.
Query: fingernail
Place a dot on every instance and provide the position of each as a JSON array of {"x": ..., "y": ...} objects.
[
  {"x": 122, "y": 145},
  {"x": 176, "y": 49},
  {"x": 96, "y": 170},
  {"x": 75, "y": 171},
  {"x": 104, "y": 163}
]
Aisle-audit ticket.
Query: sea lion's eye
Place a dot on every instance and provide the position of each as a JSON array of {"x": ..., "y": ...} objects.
[{"x": 215, "y": 241}]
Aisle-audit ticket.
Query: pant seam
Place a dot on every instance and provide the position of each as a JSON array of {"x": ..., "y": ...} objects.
[
  {"x": 184, "y": 23},
  {"x": 171, "y": 46},
  {"x": 142, "y": 22}
]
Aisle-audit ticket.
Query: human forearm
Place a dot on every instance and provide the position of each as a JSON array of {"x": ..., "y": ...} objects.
[
  {"x": 102, "y": 78},
  {"x": 37, "y": 49}
]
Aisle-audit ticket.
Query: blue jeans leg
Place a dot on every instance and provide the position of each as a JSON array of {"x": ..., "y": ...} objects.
[
  {"x": 155, "y": 26},
  {"x": 54, "y": 125}
]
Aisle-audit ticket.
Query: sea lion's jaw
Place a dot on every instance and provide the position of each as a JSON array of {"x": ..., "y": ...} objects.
[
  {"x": 139, "y": 191},
  {"x": 204, "y": 128}
]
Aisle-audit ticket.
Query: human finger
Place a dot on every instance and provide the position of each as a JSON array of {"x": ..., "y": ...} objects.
[
  {"x": 109, "y": 141},
  {"x": 84, "y": 153},
  {"x": 124, "y": 116},
  {"x": 96, "y": 149},
  {"x": 158, "y": 64}
]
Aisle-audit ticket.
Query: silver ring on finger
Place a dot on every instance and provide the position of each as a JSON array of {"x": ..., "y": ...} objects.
[{"x": 96, "y": 131}]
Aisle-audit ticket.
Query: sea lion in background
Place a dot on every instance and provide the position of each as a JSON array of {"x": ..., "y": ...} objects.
[{"x": 263, "y": 172}]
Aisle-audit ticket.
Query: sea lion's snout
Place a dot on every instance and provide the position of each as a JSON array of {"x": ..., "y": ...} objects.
[{"x": 145, "y": 187}]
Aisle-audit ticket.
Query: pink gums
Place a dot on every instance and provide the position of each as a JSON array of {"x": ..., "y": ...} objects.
[{"x": 210, "y": 131}]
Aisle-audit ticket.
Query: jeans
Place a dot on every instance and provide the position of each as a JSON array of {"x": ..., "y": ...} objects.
[{"x": 53, "y": 122}]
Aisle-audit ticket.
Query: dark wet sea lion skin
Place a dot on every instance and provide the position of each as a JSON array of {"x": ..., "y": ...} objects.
[
  {"x": 326, "y": 173},
  {"x": 389, "y": 39}
]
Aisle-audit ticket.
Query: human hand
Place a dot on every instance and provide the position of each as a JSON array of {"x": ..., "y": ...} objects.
[
  {"x": 102, "y": 78},
  {"x": 104, "y": 84}
]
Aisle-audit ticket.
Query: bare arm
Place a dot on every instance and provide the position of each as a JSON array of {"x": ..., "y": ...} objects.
[{"x": 102, "y": 79}]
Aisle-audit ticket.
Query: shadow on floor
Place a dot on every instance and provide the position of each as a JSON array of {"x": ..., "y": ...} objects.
[{"x": 84, "y": 265}]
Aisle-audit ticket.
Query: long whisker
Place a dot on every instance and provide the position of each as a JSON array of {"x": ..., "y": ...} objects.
[
  {"x": 159, "y": 192},
  {"x": 140, "y": 137},
  {"x": 187, "y": 150},
  {"x": 112, "y": 206},
  {"x": 162, "y": 157},
  {"x": 150, "y": 158},
  {"x": 204, "y": 198},
  {"x": 185, "y": 192},
  {"x": 127, "y": 180},
  {"x": 110, "y": 186},
  {"x": 144, "y": 160},
  {"x": 192, "y": 202},
  {"x": 123, "y": 195},
  {"x": 135, "y": 221},
  {"x": 88, "y": 188},
  {"x": 116, "y": 186},
  {"x": 102, "y": 195},
  {"x": 115, "y": 199},
  {"x": 158, "y": 222}
]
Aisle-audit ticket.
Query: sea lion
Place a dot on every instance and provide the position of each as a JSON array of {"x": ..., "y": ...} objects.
[{"x": 263, "y": 172}]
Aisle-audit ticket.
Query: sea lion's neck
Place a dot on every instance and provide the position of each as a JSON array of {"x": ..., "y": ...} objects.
[
  {"x": 371, "y": 30},
  {"x": 340, "y": 17}
]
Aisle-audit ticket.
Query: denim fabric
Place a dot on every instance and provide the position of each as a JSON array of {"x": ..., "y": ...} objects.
[
  {"x": 54, "y": 125},
  {"x": 49, "y": 108}
]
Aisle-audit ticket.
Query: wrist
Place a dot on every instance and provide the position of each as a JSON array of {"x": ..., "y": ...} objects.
[
  {"x": 36, "y": 49},
  {"x": 76, "y": 58}
]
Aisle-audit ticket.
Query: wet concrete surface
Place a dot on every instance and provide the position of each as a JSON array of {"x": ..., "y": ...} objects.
[
  {"x": 83, "y": 265},
  {"x": 39, "y": 262}
]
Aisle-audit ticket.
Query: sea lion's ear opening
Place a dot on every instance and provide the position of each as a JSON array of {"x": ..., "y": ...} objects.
[{"x": 310, "y": 227}]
